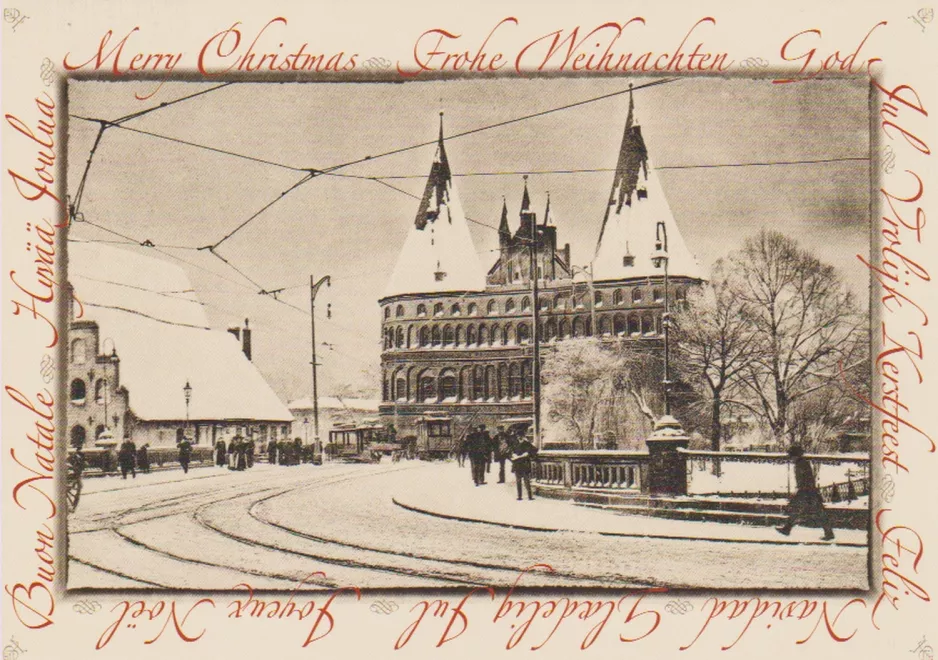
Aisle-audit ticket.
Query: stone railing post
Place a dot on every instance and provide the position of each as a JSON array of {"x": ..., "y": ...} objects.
[{"x": 667, "y": 467}]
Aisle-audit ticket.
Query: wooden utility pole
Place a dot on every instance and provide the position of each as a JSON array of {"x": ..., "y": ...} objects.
[{"x": 313, "y": 290}]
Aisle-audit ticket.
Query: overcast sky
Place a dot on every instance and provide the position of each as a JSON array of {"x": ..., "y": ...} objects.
[{"x": 353, "y": 228}]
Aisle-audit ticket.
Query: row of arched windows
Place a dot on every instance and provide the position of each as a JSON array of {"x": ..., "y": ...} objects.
[
  {"x": 451, "y": 336},
  {"x": 504, "y": 381},
  {"x": 78, "y": 391},
  {"x": 573, "y": 299}
]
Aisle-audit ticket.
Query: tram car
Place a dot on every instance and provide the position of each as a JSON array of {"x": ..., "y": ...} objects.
[
  {"x": 352, "y": 442},
  {"x": 435, "y": 437}
]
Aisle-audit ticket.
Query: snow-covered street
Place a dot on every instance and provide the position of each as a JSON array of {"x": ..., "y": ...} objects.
[{"x": 272, "y": 526}]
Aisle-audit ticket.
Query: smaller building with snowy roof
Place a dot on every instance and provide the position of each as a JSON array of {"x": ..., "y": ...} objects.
[{"x": 138, "y": 338}]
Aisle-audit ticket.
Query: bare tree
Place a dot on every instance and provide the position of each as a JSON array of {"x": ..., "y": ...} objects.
[
  {"x": 715, "y": 344},
  {"x": 806, "y": 322}
]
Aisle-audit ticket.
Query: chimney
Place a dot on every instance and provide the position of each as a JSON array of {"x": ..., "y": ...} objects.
[{"x": 246, "y": 340}]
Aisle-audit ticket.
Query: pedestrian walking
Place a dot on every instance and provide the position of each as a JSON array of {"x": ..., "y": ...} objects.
[
  {"x": 502, "y": 451},
  {"x": 522, "y": 462},
  {"x": 272, "y": 452},
  {"x": 490, "y": 447},
  {"x": 220, "y": 453},
  {"x": 185, "y": 454},
  {"x": 806, "y": 506},
  {"x": 126, "y": 458},
  {"x": 250, "y": 454},
  {"x": 476, "y": 448},
  {"x": 143, "y": 458}
]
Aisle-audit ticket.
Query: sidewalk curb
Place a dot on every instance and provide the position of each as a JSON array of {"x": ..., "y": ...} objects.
[{"x": 446, "y": 516}]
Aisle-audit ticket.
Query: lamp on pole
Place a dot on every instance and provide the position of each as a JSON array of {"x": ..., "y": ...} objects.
[
  {"x": 314, "y": 287},
  {"x": 187, "y": 392},
  {"x": 660, "y": 258}
]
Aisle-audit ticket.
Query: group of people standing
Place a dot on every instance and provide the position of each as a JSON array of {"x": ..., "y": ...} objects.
[
  {"x": 482, "y": 449},
  {"x": 238, "y": 455},
  {"x": 129, "y": 458}
]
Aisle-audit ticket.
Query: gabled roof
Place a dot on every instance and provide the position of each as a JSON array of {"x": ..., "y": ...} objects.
[
  {"x": 438, "y": 253},
  {"x": 636, "y": 209},
  {"x": 148, "y": 309}
]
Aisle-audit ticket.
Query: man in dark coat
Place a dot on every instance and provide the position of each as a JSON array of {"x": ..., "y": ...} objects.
[
  {"x": 806, "y": 505},
  {"x": 143, "y": 459},
  {"x": 502, "y": 451},
  {"x": 272, "y": 452},
  {"x": 250, "y": 453},
  {"x": 185, "y": 454},
  {"x": 522, "y": 462},
  {"x": 490, "y": 447},
  {"x": 126, "y": 458},
  {"x": 476, "y": 447},
  {"x": 220, "y": 453}
]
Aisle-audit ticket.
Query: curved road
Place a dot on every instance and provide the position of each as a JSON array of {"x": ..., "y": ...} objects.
[{"x": 271, "y": 527}]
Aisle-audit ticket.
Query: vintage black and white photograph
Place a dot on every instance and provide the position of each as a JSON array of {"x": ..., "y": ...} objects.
[{"x": 613, "y": 330}]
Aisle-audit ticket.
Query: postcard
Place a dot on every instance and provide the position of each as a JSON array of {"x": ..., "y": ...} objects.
[{"x": 436, "y": 330}]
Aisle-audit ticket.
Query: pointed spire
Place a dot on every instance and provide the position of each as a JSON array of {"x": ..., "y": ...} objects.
[
  {"x": 435, "y": 194},
  {"x": 525, "y": 199},
  {"x": 547, "y": 210},
  {"x": 504, "y": 232},
  {"x": 633, "y": 161}
]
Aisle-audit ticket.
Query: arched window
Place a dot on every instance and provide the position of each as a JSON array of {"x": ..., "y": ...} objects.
[
  {"x": 618, "y": 324},
  {"x": 598, "y": 298},
  {"x": 524, "y": 333},
  {"x": 77, "y": 391},
  {"x": 425, "y": 336},
  {"x": 680, "y": 293},
  {"x": 514, "y": 380},
  {"x": 478, "y": 383},
  {"x": 550, "y": 330},
  {"x": 559, "y": 301},
  {"x": 483, "y": 335},
  {"x": 100, "y": 387},
  {"x": 400, "y": 311},
  {"x": 502, "y": 379},
  {"x": 603, "y": 326},
  {"x": 491, "y": 383},
  {"x": 387, "y": 313},
  {"x": 400, "y": 338},
  {"x": 410, "y": 336},
  {"x": 634, "y": 328},
  {"x": 448, "y": 385},
  {"x": 78, "y": 352},
  {"x": 435, "y": 336},
  {"x": 648, "y": 324},
  {"x": 448, "y": 335},
  {"x": 455, "y": 310},
  {"x": 525, "y": 304},
  {"x": 617, "y": 297},
  {"x": 545, "y": 304},
  {"x": 399, "y": 383},
  {"x": 508, "y": 337},
  {"x": 98, "y": 431},
  {"x": 497, "y": 336},
  {"x": 509, "y": 306},
  {"x": 492, "y": 308},
  {"x": 427, "y": 387},
  {"x": 636, "y": 295},
  {"x": 421, "y": 310},
  {"x": 579, "y": 301},
  {"x": 526, "y": 380},
  {"x": 438, "y": 309},
  {"x": 578, "y": 327},
  {"x": 77, "y": 436},
  {"x": 473, "y": 309},
  {"x": 656, "y": 295},
  {"x": 458, "y": 337}
]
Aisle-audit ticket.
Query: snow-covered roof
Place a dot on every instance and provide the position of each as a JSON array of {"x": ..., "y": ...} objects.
[
  {"x": 159, "y": 329},
  {"x": 438, "y": 253},
  {"x": 637, "y": 206},
  {"x": 336, "y": 403}
]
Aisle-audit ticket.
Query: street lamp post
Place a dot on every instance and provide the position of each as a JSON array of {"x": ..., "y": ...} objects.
[
  {"x": 313, "y": 290},
  {"x": 187, "y": 392},
  {"x": 660, "y": 259}
]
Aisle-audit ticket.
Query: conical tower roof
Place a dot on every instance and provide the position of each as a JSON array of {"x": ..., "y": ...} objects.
[
  {"x": 438, "y": 253},
  {"x": 636, "y": 208}
]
